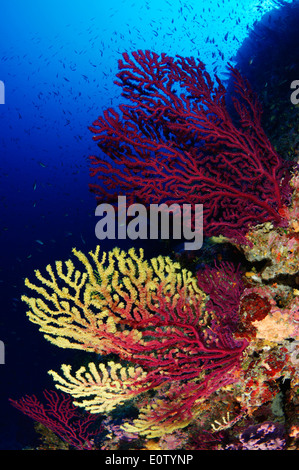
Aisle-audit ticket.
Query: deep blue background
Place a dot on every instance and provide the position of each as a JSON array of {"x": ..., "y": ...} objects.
[{"x": 58, "y": 61}]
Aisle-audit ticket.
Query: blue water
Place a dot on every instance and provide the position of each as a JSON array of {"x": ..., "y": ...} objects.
[{"x": 58, "y": 61}]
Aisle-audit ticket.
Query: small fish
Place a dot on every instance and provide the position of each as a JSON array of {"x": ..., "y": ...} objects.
[
  {"x": 39, "y": 242},
  {"x": 42, "y": 164},
  {"x": 34, "y": 186}
]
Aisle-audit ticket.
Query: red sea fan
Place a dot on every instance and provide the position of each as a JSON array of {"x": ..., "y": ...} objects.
[
  {"x": 177, "y": 143},
  {"x": 60, "y": 416}
]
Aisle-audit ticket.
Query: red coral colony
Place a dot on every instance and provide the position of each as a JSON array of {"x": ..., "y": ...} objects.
[
  {"x": 177, "y": 141},
  {"x": 61, "y": 417}
]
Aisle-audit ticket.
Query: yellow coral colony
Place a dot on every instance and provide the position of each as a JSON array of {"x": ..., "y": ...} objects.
[
  {"x": 88, "y": 310},
  {"x": 73, "y": 309},
  {"x": 99, "y": 388}
]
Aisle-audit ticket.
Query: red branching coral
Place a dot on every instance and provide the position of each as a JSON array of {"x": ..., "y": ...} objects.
[
  {"x": 177, "y": 143},
  {"x": 60, "y": 416},
  {"x": 178, "y": 342},
  {"x": 224, "y": 286}
]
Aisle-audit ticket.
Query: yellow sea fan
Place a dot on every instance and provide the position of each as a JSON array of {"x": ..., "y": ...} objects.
[
  {"x": 84, "y": 308},
  {"x": 99, "y": 389}
]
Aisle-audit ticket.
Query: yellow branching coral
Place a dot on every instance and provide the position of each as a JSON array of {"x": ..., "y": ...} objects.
[
  {"x": 81, "y": 310},
  {"x": 101, "y": 388}
]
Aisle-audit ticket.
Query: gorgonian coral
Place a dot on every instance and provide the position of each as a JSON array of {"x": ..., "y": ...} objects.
[
  {"x": 176, "y": 142},
  {"x": 60, "y": 416}
]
